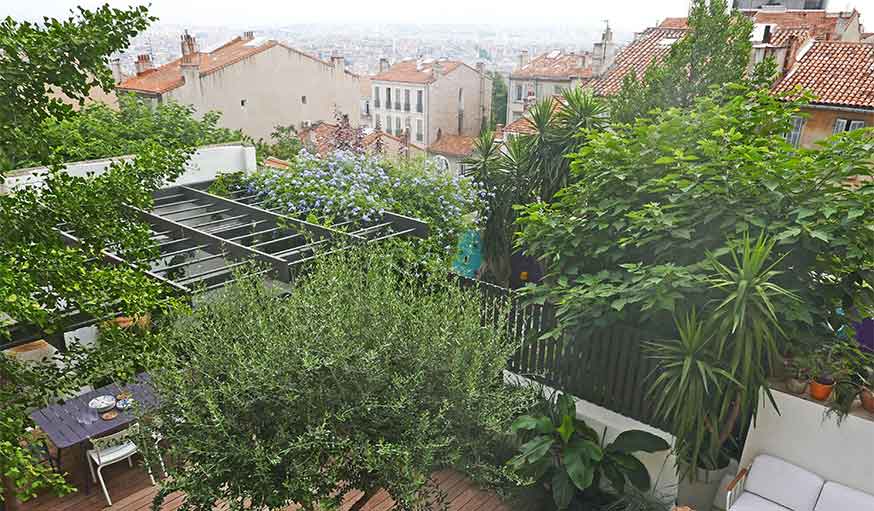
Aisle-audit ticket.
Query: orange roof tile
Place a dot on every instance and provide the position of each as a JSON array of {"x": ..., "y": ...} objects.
[
  {"x": 453, "y": 145},
  {"x": 674, "y": 23},
  {"x": 520, "y": 126},
  {"x": 838, "y": 73},
  {"x": 555, "y": 65},
  {"x": 416, "y": 71},
  {"x": 821, "y": 24},
  {"x": 276, "y": 163},
  {"x": 169, "y": 76},
  {"x": 650, "y": 46}
]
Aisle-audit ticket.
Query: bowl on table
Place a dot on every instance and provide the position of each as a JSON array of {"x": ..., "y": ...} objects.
[{"x": 102, "y": 403}]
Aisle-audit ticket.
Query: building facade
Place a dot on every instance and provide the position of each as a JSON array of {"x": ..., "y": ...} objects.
[
  {"x": 550, "y": 73},
  {"x": 422, "y": 98},
  {"x": 773, "y": 4},
  {"x": 256, "y": 84}
]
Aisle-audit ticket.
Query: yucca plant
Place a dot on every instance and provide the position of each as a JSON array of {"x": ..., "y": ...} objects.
[{"x": 710, "y": 379}]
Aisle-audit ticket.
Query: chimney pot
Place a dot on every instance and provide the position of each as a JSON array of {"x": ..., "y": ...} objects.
[
  {"x": 481, "y": 68},
  {"x": 115, "y": 66},
  {"x": 144, "y": 63},
  {"x": 249, "y": 35},
  {"x": 523, "y": 58}
]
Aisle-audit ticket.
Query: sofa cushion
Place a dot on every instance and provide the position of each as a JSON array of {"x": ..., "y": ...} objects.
[
  {"x": 752, "y": 502},
  {"x": 837, "y": 497},
  {"x": 784, "y": 483}
]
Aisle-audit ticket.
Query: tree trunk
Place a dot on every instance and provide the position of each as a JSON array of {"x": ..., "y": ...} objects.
[
  {"x": 364, "y": 499},
  {"x": 11, "y": 503}
]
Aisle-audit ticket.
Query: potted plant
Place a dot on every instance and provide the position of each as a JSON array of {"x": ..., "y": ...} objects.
[
  {"x": 822, "y": 380},
  {"x": 798, "y": 374},
  {"x": 867, "y": 395}
]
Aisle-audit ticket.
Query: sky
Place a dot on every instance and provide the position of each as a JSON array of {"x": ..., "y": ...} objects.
[{"x": 625, "y": 15}]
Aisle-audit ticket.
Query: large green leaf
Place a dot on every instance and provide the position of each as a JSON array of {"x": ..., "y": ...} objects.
[
  {"x": 580, "y": 460},
  {"x": 566, "y": 430},
  {"x": 532, "y": 451},
  {"x": 633, "y": 469},
  {"x": 563, "y": 489},
  {"x": 636, "y": 440},
  {"x": 540, "y": 424}
]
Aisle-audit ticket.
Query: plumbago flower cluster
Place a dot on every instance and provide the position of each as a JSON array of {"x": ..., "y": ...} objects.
[{"x": 349, "y": 186}]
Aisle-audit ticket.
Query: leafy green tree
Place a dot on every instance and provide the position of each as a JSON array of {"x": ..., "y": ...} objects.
[
  {"x": 361, "y": 379},
  {"x": 499, "y": 99},
  {"x": 628, "y": 241},
  {"x": 714, "y": 51},
  {"x": 286, "y": 144},
  {"x": 98, "y": 131},
  {"x": 69, "y": 56}
]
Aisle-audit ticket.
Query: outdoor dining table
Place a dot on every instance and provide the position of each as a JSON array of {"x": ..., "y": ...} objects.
[{"x": 65, "y": 425}]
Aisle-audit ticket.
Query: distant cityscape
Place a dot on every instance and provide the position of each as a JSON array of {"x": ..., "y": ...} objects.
[{"x": 363, "y": 45}]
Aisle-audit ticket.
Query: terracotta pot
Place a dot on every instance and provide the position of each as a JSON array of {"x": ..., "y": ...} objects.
[
  {"x": 796, "y": 386},
  {"x": 867, "y": 400},
  {"x": 820, "y": 391}
]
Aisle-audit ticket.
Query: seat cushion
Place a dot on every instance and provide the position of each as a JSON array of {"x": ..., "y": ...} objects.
[
  {"x": 784, "y": 483},
  {"x": 837, "y": 497},
  {"x": 751, "y": 502},
  {"x": 113, "y": 454}
]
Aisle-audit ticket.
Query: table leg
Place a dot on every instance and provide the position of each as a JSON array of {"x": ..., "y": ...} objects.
[
  {"x": 85, "y": 468},
  {"x": 58, "y": 461}
]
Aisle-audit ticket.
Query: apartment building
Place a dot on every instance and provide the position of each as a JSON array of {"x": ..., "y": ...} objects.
[
  {"x": 776, "y": 4},
  {"x": 427, "y": 97},
  {"x": 550, "y": 73},
  {"x": 255, "y": 83}
]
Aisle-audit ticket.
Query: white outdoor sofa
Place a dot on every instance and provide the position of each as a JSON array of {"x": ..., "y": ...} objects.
[{"x": 771, "y": 484}]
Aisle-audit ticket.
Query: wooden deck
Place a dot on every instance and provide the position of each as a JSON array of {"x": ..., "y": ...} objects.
[{"x": 131, "y": 490}]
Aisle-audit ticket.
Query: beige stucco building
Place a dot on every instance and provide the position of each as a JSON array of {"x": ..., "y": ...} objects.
[
  {"x": 255, "y": 83},
  {"x": 431, "y": 97}
]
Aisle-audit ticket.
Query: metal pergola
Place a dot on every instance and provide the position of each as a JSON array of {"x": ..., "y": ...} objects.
[{"x": 204, "y": 240}]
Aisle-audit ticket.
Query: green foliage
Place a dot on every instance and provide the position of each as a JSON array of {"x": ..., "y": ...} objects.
[
  {"x": 629, "y": 241},
  {"x": 68, "y": 56},
  {"x": 565, "y": 452},
  {"x": 347, "y": 186},
  {"x": 713, "y": 52},
  {"x": 286, "y": 144},
  {"x": 98, "y": 131},
  {"x": 709, "y": 379},
  {"x": 360, "y": 379},
  {"x": 499, "y": 100}
]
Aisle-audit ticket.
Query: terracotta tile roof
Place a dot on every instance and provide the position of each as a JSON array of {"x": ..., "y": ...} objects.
[
  {"x": 416, "y": 71},
  {"x": 169, "y": 76},
  {"x": 650, "y": 46},
  {"x": 838, "y": 73},
  {"x": 520, "y": 126},
  {"x": 320, "y": 138},
  {"x": 782, "y": 35},
  {"x": 453, "y": 145},
  {"x": 371, "y": 139},
  {"x": 674, "y": 23},
  {"x": 820, "y": 24},
  {"x": 555, "y": 65},
  {"x": 276, "y": 163}
]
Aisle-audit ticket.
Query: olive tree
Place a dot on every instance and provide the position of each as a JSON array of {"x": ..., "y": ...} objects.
[{"x": 361, "y": 379}]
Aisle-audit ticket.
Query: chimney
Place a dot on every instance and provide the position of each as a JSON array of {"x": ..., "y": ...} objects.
[
  {"x": 115, "y": 66},
  {"x": 789, "y": 60},
  {"x": 144, "y": 63},
  {"x": 189, "y": 46},
  {"x": 339, "y": 63},
  {"x": 523, "y": 58},
  {"x": 437, "y": 69},
  {"x": 481, "y": 68},
  {"x": 383, "y": 65},
  {"x": 249, "y": 35}
]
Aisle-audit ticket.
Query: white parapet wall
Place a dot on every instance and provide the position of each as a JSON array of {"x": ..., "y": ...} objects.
[
  {"x": 662, "y": 466},
  {"x": 204, "y": 164},
  {"x": 802, "y": 434}
]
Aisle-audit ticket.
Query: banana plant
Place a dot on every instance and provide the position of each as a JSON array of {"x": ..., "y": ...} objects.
[{"x": 567, "y": 455}]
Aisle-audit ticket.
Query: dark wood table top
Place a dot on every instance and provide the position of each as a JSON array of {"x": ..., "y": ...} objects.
[{"x": 60, "y": 421}]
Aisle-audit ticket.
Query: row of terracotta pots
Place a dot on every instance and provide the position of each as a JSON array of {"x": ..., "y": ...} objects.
[{"x": 822, "y": 391}]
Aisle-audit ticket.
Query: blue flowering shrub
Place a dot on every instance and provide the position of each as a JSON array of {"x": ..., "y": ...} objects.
[{"x": 350, "y": 186}]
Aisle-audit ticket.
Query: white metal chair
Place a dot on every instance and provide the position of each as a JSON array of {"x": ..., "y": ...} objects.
[{"x": 112, "y": 449}]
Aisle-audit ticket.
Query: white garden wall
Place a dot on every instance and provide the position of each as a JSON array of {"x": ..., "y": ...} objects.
[
  {"x": 801, "y": 434},
  {"x": 204, "y": 164},
  {"x": 662, "y": 466}
]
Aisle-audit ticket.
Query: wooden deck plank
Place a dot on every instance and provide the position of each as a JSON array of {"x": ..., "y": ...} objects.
[{"x": 131, "y": 490}]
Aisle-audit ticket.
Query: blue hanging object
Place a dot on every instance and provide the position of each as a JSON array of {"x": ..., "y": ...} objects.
[{"x": 468, "y": 255}]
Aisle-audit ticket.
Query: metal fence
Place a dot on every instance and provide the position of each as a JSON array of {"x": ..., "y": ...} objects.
[{"x": 605, "y": 366}]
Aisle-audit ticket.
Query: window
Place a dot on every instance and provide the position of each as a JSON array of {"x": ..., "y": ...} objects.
[
  {"x": 517, "y": 116},
  {"x": 397, "y": 126},
  {"x": 388, "y": 98},
  {"x": 408, "y": 130},
  {"x": 556, "y": 89},
  {"x": 794, "y": 135},
  {"x": 406, "y": 100},
  {"x": 387, "y": 127},
  {"x": 420, "y": 130},
  {"x": 303, "y": 100},
  {"x": 842, "y": 125},
  {"x": 419, "y": 105},
  {"x": 376, "y": 97},
  {"x": 518, "y": 93},
  {"x": 442, "y": 162},
  {"x": 242, "y": 103},
  {"x": 377, "y": 122}
]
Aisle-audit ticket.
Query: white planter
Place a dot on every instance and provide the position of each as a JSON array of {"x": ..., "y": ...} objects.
[{"x": 699, "y": 495}]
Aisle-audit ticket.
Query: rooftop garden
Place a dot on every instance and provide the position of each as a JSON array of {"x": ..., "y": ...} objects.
[{"x": 690, "y": 257}]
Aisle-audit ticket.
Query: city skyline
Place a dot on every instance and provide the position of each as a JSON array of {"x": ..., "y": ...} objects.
[{"x": 624, "y": 15}]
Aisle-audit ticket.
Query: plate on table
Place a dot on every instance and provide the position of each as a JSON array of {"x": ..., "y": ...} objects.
[
  {"x": 108, "y": 416},
  {"x": 102, "y": 403},
  {"x": 124, "y": 404}
]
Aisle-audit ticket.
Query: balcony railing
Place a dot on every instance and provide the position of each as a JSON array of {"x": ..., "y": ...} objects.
[
  {"x": 397, "y": 105},
  {"x": 406, "y": 107},
  {"x": 376, "y": 104},
  {"x": 419, "y": 107}
]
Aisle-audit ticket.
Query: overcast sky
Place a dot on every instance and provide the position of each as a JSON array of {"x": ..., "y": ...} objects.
[{"x": 625, "y": 15}]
